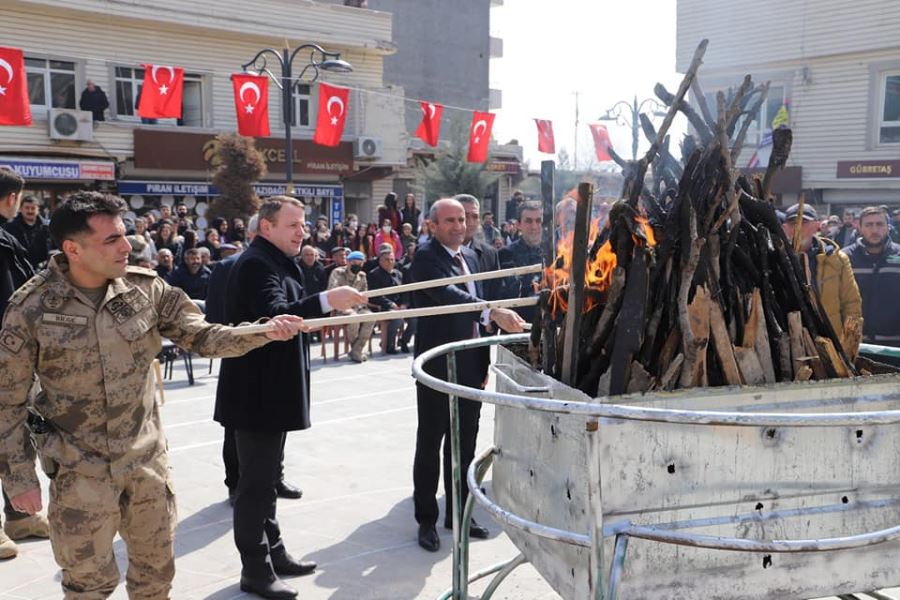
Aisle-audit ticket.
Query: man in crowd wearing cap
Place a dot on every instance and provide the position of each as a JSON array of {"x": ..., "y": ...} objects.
[
  {"x": 876, "y": 265},
  {"x": 338, "y": 259},
  {"x": 32, "y": 233},
  {"x": 829, "y": 267},
  {"x": 353, "y": 276}
]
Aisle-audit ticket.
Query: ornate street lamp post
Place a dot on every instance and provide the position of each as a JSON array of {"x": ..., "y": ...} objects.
[
  {"x": 628, "y": 114},
  {"x": 319, "y": 59}
]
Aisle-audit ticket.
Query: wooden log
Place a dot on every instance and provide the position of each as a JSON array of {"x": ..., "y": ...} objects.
[
  {"x": 724, "y": 350},
  {"x": 815, "y": 361},
  {"x": 548, "y": 246},
  {"x": 751, "y": 369},
  {"x": 830, "y": 357},
  {"x": 795, "y": 330},
  {"x": 784, "y": 356},
  {"x": 630, "y": 323},
  {"x": 694, "y": 371},
  {"x": 640, "y": 380},
  {"x": 760, "y": 340},
  {"x": 572, "y": 351},
  {"x": 852, "y": 336},
  {"x": 672, "y": 374},
  {"x": 669, "y": 348}
]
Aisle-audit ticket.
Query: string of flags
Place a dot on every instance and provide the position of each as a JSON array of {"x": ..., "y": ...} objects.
[{"x": 163, "y": 91}]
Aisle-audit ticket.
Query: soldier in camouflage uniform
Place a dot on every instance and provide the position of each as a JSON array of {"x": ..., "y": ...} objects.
[
  {"x": 353, "y": 276},
  {"x": 89, "y": 326}
]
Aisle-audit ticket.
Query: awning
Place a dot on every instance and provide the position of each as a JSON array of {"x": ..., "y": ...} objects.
[{"x": 60, "y": 169}]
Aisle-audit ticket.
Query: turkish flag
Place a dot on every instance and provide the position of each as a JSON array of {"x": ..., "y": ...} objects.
[
  {"x": 430, "y": 128},
  {"x": 545, "y": 136},
  {"x": 162, "y": 92},
  {"x": 15, "y": 108},
  {"x": 480, "y": 136},
  {"x": 601, "y": 141},
  {"x": 333, "y": 102},
  {"x": 251, "y": 102}
]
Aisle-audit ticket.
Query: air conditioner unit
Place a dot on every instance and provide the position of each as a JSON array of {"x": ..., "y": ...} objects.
[
  {"x": 68, "y": 124},
  {"x": 365, "y": 147}
]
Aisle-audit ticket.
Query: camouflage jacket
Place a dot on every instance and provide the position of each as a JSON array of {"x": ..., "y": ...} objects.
[
  {"x": 344, "y": 276},
  {"x": 95, "y": 367}
]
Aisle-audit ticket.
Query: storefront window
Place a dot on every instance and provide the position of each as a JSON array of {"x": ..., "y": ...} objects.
[
  {"x": 302, "y": 103},
  {"x": 889, "y": 126},
  {"x": 51, "y": 83}
]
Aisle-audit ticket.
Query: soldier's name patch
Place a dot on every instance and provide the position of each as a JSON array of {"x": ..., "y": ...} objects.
[
  {"x": 171, "y": 300},
  {"x": 59, "y": 319},
  {"x": 11, "y": 340}
]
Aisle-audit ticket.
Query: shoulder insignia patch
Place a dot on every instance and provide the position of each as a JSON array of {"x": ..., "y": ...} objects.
[
  {"x": 11, "y": 340},
  {"x": 170, "y": 302},
  {"x": 27, "y": 288},
  {"x": 52, "y": 301},
  {"x": 133, "y": 270}
]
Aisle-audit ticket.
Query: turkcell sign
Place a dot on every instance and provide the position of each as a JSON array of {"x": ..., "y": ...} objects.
[{"x": 61, "y": 170}]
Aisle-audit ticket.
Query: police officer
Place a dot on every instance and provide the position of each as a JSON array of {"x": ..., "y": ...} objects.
[
  {"x": 523, "y": 252},
  {"x": 354, "y": 276},
  {"x": 89, "y": 326}
]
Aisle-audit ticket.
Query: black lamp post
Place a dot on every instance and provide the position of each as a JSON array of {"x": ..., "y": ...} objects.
[
  {"x": 319, "y": 59},
  {"x": 627, "y": 114}
]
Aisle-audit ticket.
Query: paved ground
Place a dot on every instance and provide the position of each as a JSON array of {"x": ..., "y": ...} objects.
[{"x": 356, "y": 515}]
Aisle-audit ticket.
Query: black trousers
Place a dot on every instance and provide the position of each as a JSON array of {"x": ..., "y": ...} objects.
[
  {"x": 256, "y": 532},
  {"x": 230, "y": 458},
  {"x": 433, "y": 431}
]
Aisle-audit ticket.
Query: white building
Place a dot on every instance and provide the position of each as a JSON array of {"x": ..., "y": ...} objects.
[
  {"x": 67, "y": 43},
  {"x": 835, "y": 66}
]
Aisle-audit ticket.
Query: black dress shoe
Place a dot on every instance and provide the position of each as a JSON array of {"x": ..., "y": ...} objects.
[
  {"x": 286, "y": 490},
  {"x": 289, "y": 566},
  {"x": 475, "y": 530},
  {"x": 272, "y": 588},
  {"x": 404, "y": 348},
  {"x": 428, "y": 538},
  {"x": 391, "y": 351}
]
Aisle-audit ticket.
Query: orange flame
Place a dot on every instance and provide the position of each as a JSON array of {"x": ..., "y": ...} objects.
[{"x": 598, "y": 272}]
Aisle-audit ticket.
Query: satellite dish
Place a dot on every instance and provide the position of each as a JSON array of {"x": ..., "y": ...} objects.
[
  {"x": 189, "y": 201},
  {"x": 167, "y": 200},
  {"x": 201, "y": 223},
  {"x": 200, "y": 208},
  {"x": 136, "y": 202}
]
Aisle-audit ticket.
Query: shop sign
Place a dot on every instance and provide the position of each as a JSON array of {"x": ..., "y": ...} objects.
[
  {"x": 868, "y": 169},
  {"x": 65, "y": 170},
  {"x": 190, "y": 188}
]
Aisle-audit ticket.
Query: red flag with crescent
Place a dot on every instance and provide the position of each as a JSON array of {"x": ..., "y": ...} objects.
[
  {"x": 333, "y": 102},
  {"x": 480, "y": 136},
  {"x": 546, "y": 143},
  {"x": 430, "y": 128},
  {"x": 251, "y": 102},
  {"x": 601, "y": 141},
  {"x": 162, "y": 92},
  {"x": 15, "y": 108}
]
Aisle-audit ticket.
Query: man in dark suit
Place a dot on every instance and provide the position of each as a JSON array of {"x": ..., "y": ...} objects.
[
  {"x": 523, "y": 252},
  {"x": 264, "y": 394},
  {"x": 445, "y": 256}
]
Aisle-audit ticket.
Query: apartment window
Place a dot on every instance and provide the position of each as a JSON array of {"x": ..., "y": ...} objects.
[
  {"x": 51, "y": 83},
  {"x": 889, "y": 111},
  {"x": 302, "y": 104},
  {"x": 130, "y": 81}
]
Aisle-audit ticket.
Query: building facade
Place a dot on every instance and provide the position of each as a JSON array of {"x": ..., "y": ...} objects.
[
  {"x": 834, "y": 69},
  {"x": 68, "y": 43}
]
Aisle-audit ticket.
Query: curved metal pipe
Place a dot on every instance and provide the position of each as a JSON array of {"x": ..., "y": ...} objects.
[{"x": 635, "y": 413}]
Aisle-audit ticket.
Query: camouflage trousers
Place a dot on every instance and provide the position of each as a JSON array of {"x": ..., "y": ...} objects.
[
  {"x": 358, "y": 334},
  {"x": 86, "y": 513}
]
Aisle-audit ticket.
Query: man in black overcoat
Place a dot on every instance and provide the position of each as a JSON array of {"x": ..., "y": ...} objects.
[
  {"x": 445, "y": 256},
  {"x": 265, "y": 393}
]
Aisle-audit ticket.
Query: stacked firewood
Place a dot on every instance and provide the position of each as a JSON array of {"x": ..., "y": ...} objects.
[{"x": 692, "y": 282}]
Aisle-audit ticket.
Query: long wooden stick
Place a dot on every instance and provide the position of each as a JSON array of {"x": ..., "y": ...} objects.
[
  {"x": 422, "y": 285},
  {"x": 410, "y": 313},
  {"x": 572, "y": 325}
]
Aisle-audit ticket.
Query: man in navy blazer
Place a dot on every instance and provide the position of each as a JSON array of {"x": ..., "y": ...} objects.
[
  {"x": 444, "y": 256},
  {"x": 263, "y": 395}
]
